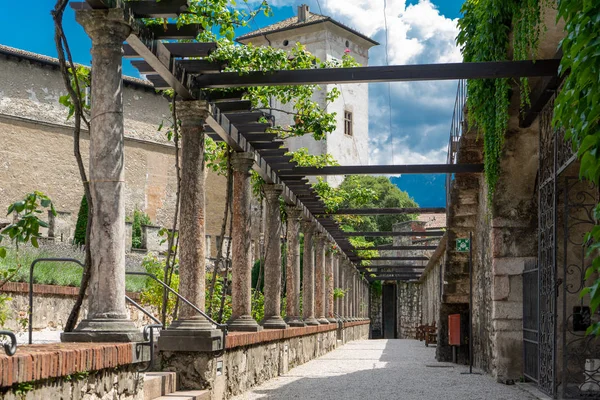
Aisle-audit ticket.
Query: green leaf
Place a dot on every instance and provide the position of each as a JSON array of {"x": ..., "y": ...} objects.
[
  {"x": 2, "y": 252},
  {"x": 34, "y": 242}
]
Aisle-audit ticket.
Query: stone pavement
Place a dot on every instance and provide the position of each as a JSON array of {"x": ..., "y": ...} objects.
[{"x": 383, "y": 369}]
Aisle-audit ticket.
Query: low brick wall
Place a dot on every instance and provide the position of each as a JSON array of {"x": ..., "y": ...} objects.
[
  {"x": 52, "y": 305},
  {"x": 72, "y": 371},
  {"x": 252, "y": 358}
]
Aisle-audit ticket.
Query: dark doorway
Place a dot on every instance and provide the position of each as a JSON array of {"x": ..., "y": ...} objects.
[{"x": 389, "y": 311}]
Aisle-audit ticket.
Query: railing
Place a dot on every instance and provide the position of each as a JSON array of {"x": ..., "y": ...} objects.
[
  {"x": 9, "y": 348},
  {"x": 222, "y": 327},
  {"x": 456, "y": 131}
]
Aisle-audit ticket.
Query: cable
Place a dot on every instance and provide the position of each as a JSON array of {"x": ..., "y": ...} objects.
[{"x": 387, "y": 62}]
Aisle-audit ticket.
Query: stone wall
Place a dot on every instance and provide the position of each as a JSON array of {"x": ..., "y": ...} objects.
[
  {"x": 409, "y": 314},
  {"x": 375, "y": 315},
  {"x": 123, "y": 383},
  {"x": 431, "y": 291},
  {"x": 52, "y": 306},
  {"x": 37, "y": 145},
  {"x": 253, "y": 358}
]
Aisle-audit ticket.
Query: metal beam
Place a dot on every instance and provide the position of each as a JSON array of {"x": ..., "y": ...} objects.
[
  {"x": 385, "y": 169},
  {"x": 399, "y": 258},
  {"x": 393, "y": 73},
  {"x": 398, "y": 267},
  {"x": 385, "y": 248},
  {"x": 388, "y": 233},
  {"x": 390, "y": 211}
]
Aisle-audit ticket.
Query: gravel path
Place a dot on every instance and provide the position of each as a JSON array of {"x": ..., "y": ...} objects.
[{"x": 383, "y": 369}]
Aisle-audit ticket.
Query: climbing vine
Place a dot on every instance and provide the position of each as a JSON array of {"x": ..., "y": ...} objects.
[
  {"x": 577, "y": 111},
  {"x": 484, "y": 36}
]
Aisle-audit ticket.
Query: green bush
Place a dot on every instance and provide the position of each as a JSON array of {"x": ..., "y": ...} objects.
[
  {"x": 81, "y": 226},
  {"x": 139, "y": 218}
]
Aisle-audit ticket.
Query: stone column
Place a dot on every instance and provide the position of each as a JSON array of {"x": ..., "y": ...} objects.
[
  {"x": 107, "y": 318},
  {"x": 308, "y": 275},
  {"x": 353, "y": 293},
  {"x": 292, "y": 269},
  {"x": 192, "y": 331},
  {"x": 272, "y": 319},
  {"x": 330, "y": 284},
  {"x": 344, "y": 285},
  {"x": 336, "y": 283},
  {"x": 241, "y": 316},
  {"x": 320, "y": 278}
]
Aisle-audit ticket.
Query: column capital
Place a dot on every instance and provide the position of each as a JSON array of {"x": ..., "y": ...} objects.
[
  {"x": 192, "y": 112},
  {"x": 320, "y": 239},
  {"x": 308, "y": 226},
  {"x": 293, "y": 212},
  {"x": 104, "y": 27},
  {"x": 272, "y": 190},
  {"x": 242, "y": 161}
]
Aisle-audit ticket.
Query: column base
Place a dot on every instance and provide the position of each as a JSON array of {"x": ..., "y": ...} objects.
[
  {"x": 311, "y": 321},
  {"x": 274, "y": 322},
  {"x": 244, "y": 323},
  {"x": 104, "y": 330},
  {"x": 193, "y": 334},
  {"x": 295, "y": 322},
  {"x": 332, "y": 320},
  {"x": 323, "y": 321}
]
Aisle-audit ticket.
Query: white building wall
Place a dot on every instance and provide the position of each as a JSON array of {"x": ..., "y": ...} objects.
[{"x": 328, "y": 41}]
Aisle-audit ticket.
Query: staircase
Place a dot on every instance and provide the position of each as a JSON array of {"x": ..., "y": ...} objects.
[{"x": 163, "y": 386}]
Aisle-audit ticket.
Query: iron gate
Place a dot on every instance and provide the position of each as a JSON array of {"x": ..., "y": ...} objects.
[
  {"x": 547, "y": 253},
  {"x": 580, "y": 370}
]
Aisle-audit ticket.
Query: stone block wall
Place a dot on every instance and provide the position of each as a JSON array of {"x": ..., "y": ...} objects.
[
  {"x": 253, "y": 358},
  {"x": 409, "y": 314},
  {"x": 51, "y": 307},
  {"x": 375, "y": 315}
]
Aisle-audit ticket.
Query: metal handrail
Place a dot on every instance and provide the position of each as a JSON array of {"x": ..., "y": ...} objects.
[
  {"x": 149, "y": 338},
  {"x": 456, "y": 131},
  {"x": 11, "y": 348},
  {"x": 222, "y": 327},
  {"x": 180, "y": 297}
]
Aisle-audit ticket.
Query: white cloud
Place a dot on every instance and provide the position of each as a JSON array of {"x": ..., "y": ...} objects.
[{"x": 422, "y": 111}]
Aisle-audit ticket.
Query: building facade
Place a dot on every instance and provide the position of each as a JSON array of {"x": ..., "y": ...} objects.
[{"x": 327, "y": 39}]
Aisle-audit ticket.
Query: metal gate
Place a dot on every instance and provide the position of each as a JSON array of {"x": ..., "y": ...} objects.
[
  {"x": 530, "y": 321},
  {"x": 547, "y": 291},
  {"x": 580, "y": 370}
]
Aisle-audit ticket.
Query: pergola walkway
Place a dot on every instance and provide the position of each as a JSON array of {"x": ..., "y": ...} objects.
[{"x": 383, "y": 369}]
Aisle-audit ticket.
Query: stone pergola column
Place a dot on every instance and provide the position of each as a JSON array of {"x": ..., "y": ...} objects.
[
  {"x": 241, "y": 315},
  {"x": 320, "y": 278},
  {"x": 354, "y": 293},
  {"x": 336, "y": 283},
  {"x": 292, "y": 267},
  {"x": 107, "y": 318},
  {"x": 348, "y": 288},
  {"x": 308, "y": 275},
  {"x": 272, "y": 319},
  {"x": 330, "y": 284},
  {"x": 192, "y": 331}
]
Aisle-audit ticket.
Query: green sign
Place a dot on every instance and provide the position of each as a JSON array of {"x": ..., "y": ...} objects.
[{"x": 463, "y": 245}]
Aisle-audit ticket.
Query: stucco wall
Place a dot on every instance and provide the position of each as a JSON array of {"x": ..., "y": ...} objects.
[{"x": 37, "y": 147}]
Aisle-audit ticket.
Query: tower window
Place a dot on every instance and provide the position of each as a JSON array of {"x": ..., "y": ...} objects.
[{"x": 348, "y": 123}]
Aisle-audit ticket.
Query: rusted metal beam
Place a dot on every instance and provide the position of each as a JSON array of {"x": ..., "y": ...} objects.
[
  {"x": 386, "y": 169},
  {"x": 390, "y": 211}
]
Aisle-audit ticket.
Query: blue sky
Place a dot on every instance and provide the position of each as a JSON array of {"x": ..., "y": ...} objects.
[{"x": 420, "y": 31}]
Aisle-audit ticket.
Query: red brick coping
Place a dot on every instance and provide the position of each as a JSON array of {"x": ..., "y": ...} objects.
[
  {"x": 238, "y": 339},
  {"x": 67, "y": 291},
  {"x": 44, "y": 361}
]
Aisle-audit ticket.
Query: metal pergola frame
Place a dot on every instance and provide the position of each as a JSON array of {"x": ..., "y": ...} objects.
[{"x": 183, "y": 67}]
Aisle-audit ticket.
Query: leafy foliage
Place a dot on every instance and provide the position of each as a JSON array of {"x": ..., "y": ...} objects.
[
  {"x": 577, "y": 110},
  {"x": 304, "y": 159},
  {"x": 83, "y": 75},
  {"x": 484, "y": 36},
  {"x": 138, "y": 219},
  {"x": 81, "y": 226}
]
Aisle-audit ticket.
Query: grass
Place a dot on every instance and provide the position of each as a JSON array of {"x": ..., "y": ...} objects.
[{"x": 56, "y": 273}]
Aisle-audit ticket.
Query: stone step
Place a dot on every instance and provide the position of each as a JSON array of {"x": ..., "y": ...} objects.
[
  {"x": 157, "y": 384},
  {"x": 187, "y": 395}
]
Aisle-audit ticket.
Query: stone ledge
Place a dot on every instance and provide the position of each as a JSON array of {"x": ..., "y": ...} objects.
[
  {"x": 239, "y": 339},
  {"x": 37, "y": 362},
  {"x": 68, "y": 291}
]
